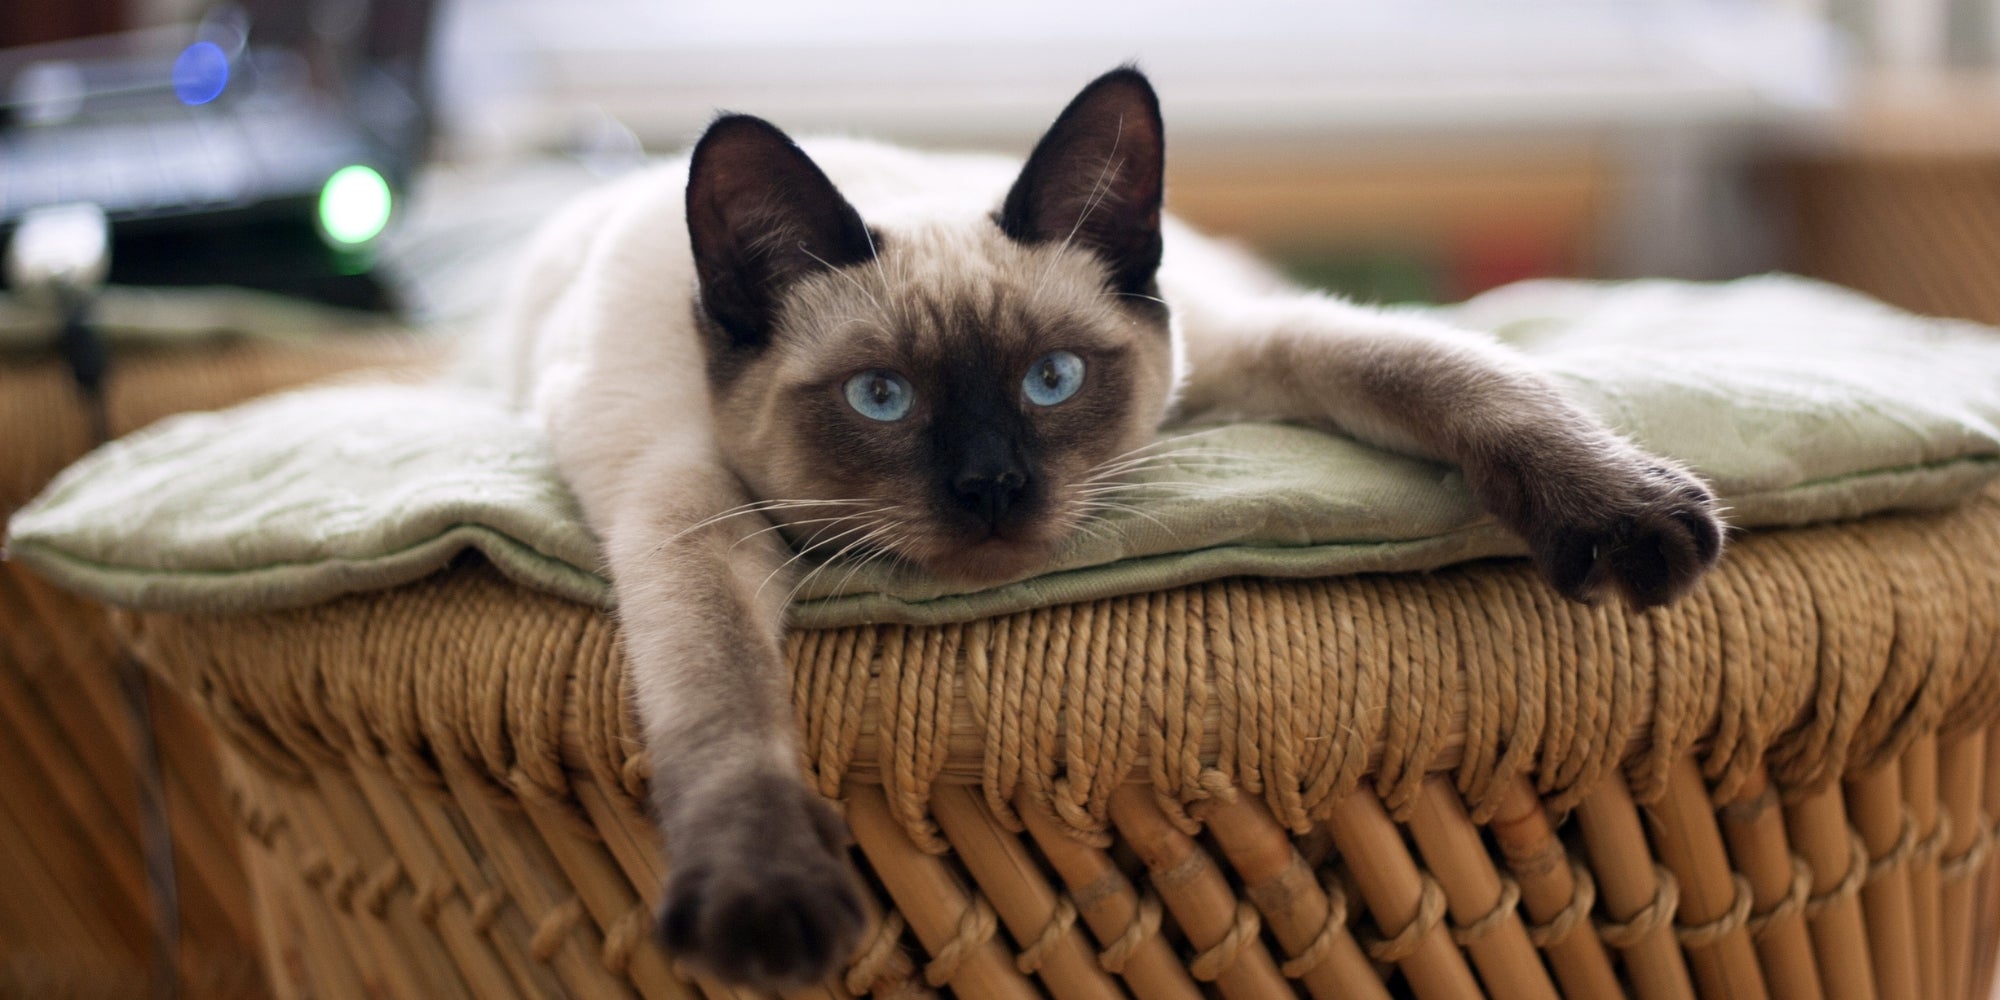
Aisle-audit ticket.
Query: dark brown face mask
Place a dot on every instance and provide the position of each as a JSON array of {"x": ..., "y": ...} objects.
[{"x": 955, "y": 383}]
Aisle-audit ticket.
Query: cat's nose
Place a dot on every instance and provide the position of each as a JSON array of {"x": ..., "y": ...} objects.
[{"x": 989, "y": 492}]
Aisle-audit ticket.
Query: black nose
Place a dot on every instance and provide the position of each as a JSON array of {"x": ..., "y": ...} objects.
[{"x": 989, "y": 492}]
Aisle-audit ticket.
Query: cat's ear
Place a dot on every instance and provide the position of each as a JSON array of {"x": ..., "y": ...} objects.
[
  {"x": 1095, "y": 180},
  {"x": 761, "y": 215}
]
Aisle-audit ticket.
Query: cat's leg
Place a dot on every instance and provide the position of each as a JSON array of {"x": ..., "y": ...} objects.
[
  {"x": 1598, "y": 513},
  {"x": 760, "y": 890}
]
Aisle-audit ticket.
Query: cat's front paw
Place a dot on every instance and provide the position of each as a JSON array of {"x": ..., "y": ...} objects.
[
  {"x": 765, "y": 897},
  {"x": 1627, "y": 523}
]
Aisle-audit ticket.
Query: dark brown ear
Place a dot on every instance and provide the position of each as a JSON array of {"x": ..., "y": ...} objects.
[
  {"x": 761, "y": 215},
  {"x": 1095, "y": 179}
]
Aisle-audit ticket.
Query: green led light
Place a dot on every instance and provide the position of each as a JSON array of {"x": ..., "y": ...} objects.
[{"x": 354, "y": 205}]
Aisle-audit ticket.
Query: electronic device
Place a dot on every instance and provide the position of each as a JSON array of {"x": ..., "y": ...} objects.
[{"x": 266, "y": 146}]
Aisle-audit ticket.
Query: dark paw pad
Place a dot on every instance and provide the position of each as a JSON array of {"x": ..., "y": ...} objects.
[
  {"x": 1648, "y": 534},
  {"x": 772, "y": 904}
]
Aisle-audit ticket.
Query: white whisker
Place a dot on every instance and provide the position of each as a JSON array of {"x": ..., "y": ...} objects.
[
  {"x": 797, "y": 523},
  {"x": 1136, "y": 512},
  {"x": 1166, "y": 442},
  {"x": 880, "y": 552},
  {"x": 1170, "y": 462},
  {"x": 851, "y": 279},
  {"x": 877, "y": 532},
  {"x": 1147, "y": 463},
  {"x": 753, "y": 507},
  {"x": 780, "y": 525},
  {"x": 1087, "y": 526},
  {"x": 801, "y": 554},
  {"x": 1138, "y": 490},
  {"x": 1099, "y": 189}
]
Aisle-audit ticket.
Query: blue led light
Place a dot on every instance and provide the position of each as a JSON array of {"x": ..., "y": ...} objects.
[{"x": 200, "y": 73}]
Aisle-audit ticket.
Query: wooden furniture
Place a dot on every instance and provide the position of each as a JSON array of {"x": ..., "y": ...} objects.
[
  {"x": 1453, "y": 783},
  {"x": 76, "y": 918}
]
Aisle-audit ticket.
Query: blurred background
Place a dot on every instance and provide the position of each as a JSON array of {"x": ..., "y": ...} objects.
[{"x": 1414, "y": 151}]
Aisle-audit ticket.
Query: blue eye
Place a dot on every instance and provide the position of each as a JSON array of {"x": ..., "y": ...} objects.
[
  {"x": 1054, "y": 378},
  {"x": 879, "y": 395}
]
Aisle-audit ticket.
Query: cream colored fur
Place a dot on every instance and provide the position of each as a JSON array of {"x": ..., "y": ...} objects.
[{"x": 603, "y": 346}]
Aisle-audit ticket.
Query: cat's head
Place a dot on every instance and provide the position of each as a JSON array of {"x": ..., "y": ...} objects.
[{"x": 956, "y": 393}]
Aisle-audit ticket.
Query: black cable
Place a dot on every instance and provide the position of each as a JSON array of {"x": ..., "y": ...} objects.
[
  {"x": 156, "y": 833},
  {"x": 61, "y": 255},
  {"x": 83, "y": 350}
]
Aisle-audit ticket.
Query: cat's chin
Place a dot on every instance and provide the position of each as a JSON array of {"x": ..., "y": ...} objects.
[{"x": 988, "y": 563}]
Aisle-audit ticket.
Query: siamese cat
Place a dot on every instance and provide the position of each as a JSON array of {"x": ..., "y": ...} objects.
[{"x": 939, "y": 359}]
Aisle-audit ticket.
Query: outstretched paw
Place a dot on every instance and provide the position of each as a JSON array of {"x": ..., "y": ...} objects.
[
  {"x": 1631, "y": 524},
  {"x": 765, "y": 898}
]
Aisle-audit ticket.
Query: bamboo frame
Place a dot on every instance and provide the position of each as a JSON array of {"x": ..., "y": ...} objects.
[
  {"x": 507, "y": 854},
  {"x": 79, "y": 920}
]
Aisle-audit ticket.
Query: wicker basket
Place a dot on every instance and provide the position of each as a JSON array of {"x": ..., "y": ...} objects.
[
  {"x": 1446, "y": 785},
  {"x": 75, "y": 919}
]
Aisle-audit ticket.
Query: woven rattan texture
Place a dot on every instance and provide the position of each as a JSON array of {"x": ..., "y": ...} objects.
[
  {"x": 1454, "y": 782},
  {"x": 75, "y": 919}
]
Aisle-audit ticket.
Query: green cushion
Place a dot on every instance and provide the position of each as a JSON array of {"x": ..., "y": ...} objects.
[{"x": 1800, "y": 402}]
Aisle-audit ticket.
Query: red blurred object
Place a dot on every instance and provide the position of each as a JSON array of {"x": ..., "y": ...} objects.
[
  {"x": 1491, "y": 256},
  {"x": 32, "y": 22}
]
